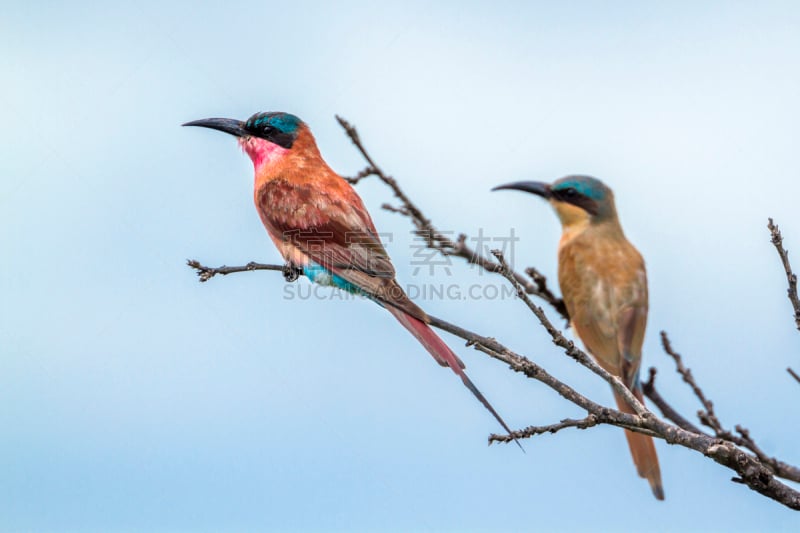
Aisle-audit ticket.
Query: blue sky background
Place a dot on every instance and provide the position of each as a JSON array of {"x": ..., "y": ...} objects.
[{"x": 132, "y": 398}]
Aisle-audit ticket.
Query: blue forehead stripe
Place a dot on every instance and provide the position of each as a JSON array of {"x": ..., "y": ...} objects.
[
  {"x": 284, "y": 122},
  {"x": 588, "y": 187}
]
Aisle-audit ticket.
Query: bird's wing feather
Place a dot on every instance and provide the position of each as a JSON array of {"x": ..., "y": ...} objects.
[
  {"x": 632, "y": 320},
  {"x": 609, "y": 309},
  {"x": 333, "y": 230}
]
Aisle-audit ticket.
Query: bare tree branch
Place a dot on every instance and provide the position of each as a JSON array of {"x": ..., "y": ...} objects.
[
  {"x": 709, "y": 418},
  {"x": 791, "y": 277},
  {"x": 206, "y": 273},
  {"x": 649, "y": 389},
  {"x": 530, "y": 431},
  {"x": 368, "y": 171}
]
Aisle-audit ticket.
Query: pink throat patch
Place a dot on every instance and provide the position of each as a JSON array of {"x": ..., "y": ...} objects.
[{"x": 261, "y": 151}]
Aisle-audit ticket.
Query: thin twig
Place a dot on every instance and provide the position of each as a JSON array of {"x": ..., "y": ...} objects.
[
  {"x": 530, "y": 431},
  {"x": 547, "y": 294},
  {"x": 206, "y": 273},
  {"x": 649, "y": 389},
  {"x": 791, "y": 277},
  {"x": 392, "y": 209},
  {"x": 709, "y": 418},
  {"x": 369, "y": 171}
]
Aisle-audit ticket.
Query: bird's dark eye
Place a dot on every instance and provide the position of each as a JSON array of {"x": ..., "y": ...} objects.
[{"x": 570, "y": 192}]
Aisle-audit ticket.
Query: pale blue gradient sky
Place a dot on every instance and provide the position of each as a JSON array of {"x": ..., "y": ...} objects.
[{"x": 133, "y": 398}]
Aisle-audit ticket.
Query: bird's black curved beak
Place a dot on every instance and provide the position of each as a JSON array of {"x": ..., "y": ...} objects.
[
  {"x": 228, "y": 125},
  {"x": 536, "y": 187}
]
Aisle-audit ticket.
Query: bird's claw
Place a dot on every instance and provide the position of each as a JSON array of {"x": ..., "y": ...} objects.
[{"x": 291, "y": 273}]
